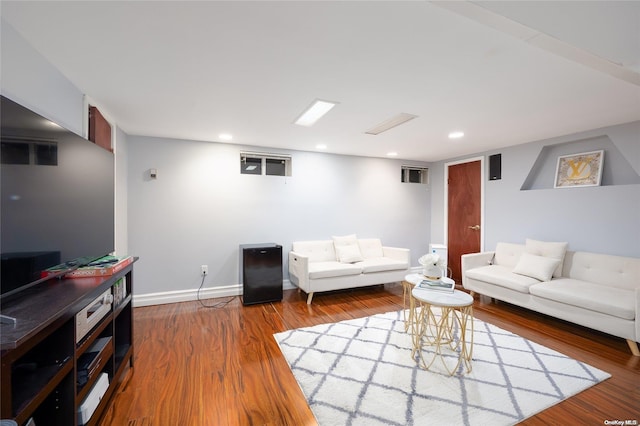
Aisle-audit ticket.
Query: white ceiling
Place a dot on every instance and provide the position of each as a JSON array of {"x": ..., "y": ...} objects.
[{"x": 505, "y": 73}]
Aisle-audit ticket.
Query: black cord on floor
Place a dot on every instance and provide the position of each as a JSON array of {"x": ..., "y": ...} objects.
[{"x": 215, "y": 305}]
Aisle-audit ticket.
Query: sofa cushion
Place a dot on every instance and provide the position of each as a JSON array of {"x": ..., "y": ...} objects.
[
  {"x": 348, "y": 253},
  {"x": 348, "y": 247},
  {"x": 604, "y": 299},
  {"x": 613, "y": 271},
  {"x": 507, "y": 254},
  {"x": 370, "y": 247},
  {"x": 316, "y": 251},
  {"x": 538, "y": 267},
  {"x": 380, "y": 264},
  {"x": 502, "y": 276},
  {"x": 332, "y": 269},
  {"x": 548, "y": 249}
]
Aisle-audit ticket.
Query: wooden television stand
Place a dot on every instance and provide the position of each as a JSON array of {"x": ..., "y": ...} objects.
[{"x": 44, "y": 374}]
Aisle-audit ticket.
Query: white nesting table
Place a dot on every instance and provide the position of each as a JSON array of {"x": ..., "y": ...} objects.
[
  {"x": 447, "y": 330},
  {"x": 410, "y": 281}
]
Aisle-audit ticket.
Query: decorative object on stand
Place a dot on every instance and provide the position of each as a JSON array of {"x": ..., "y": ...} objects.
[
  {"x": 583, "y": 169},
  {"x": 432, "y": 266}
]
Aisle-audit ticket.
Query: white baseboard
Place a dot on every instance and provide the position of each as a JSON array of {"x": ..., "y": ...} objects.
[{"x": 176, "y": 296}]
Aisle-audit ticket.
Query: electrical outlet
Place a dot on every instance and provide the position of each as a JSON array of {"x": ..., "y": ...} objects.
[{"x": 204, "y": 269}]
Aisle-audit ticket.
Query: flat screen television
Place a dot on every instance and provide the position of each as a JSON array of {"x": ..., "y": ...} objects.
[{"x": 57, "y": 198}]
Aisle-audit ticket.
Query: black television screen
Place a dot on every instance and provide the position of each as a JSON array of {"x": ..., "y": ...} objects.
[{"x": 57, "y": 197}]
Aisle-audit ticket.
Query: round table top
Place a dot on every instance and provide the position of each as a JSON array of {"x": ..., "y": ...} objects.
[
  {"x": 416, "y": 279},
  {"x": 456, "y": 299}
]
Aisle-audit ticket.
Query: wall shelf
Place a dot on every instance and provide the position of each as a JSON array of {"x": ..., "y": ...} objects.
[{"x": 616, "y": 171}]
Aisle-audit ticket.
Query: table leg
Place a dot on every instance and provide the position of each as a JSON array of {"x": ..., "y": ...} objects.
[
  {"x": 406, "y": 294},
  {"x": 440, "y": 334}
]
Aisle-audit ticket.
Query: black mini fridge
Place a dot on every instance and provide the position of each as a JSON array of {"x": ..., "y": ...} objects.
[{"x": 261, "y": 273}]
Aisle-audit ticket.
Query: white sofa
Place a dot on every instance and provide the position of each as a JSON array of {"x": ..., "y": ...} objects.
[
  {"x": 598, "y": 291},
  {"x": 345, "y": 262}
]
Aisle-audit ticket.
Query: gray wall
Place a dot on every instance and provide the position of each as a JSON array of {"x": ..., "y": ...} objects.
[
  {"x": 32, "y": 81},
  {"x": 200, "y": 208},
  {"x": 603, "y": 219}
]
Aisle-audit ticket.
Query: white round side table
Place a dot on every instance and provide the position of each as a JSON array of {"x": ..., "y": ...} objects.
[
  {"x": 410, "y": 281},
  {"x": 447, "y": 330}
]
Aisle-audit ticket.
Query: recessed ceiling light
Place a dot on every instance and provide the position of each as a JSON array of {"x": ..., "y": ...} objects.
[
  {"x": 225, "y": 136},
  {"x": 314, "y": 112},
  {"x": 392, "y": 154},
  {"x": 456, "y": 135},
  {"x": 391, "y": 123},
  {"x": 321, "y": 146}
]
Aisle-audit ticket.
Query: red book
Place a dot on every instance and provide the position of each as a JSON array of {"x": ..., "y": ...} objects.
[{"x": 101, "y": 270}]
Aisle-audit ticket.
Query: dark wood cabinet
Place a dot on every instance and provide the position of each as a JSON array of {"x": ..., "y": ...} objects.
[
  {"x": 45, "y": 355},
  {"x": 99, "y": 129}
]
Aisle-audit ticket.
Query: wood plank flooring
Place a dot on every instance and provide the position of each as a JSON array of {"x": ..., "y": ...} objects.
[{"x": 204, "y": 366}]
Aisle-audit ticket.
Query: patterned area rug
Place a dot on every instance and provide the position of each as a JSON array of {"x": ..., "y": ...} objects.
[{"x": 360, "y": 372}]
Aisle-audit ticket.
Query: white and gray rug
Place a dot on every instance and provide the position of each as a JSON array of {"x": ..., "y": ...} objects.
[{"x": 360, "y": 372}]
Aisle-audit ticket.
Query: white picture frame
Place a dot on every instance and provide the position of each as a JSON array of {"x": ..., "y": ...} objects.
[{"x": 578, "y": 170}]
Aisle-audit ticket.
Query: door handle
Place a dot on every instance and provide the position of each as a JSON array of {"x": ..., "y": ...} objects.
[{"x": 475, "y": 227}]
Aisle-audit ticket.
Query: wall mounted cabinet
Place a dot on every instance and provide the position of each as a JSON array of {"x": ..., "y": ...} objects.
[{"x": 99, "y": 129}]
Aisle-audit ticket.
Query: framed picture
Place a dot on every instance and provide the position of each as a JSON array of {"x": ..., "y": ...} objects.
[{"x": 583, "y": 169}]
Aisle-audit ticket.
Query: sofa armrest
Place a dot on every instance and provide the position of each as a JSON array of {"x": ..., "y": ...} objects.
[
  {"x": 299, "y": 270},
  {"x": 474, "y": 260},
  {"x": 396, "y": 253}
]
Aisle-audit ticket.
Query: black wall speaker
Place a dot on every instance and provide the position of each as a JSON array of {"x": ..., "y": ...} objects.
[{"x": 495, "y": 167}]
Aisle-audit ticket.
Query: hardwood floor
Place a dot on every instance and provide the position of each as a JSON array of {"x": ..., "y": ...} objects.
[{"x": 203, "y": 366}]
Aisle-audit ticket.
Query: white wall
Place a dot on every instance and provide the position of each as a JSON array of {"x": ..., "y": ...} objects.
[
  {"x": 121, "y": 153},
  {"x": 602, "y": 219},
  {"x": 32, "y": 81},
  {"x": 200, "y": 208}
]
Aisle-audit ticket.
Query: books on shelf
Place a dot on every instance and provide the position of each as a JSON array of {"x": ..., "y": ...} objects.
[
  {"x": 438, "y": 285},
  {"x": 103, "y": 267},
  {"x": 119, "y": 291}
]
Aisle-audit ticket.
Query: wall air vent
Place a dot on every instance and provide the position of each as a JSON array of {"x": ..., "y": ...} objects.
[{"x": 391, "y": 123}]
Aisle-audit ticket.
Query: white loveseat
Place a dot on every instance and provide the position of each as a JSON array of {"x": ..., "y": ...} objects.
[
  {"x": 345, "y": 262},
  {"x": 598, "y": 291}
]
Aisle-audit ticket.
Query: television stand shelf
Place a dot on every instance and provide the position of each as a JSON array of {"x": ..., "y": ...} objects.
[{"x": 44, "y": 375}]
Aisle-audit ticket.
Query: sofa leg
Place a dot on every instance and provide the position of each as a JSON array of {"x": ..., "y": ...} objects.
[
  {"x": 309, "y": 297},
  {"x": 634, "y": 347}
]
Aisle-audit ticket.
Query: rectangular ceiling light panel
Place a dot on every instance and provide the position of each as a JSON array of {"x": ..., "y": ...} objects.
[
  {"x": 391, "y": 123},
  {"x": 312, "y": 114}
]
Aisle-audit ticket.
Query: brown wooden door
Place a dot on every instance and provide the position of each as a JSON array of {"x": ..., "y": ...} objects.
[{"x": 463, "y": 229}]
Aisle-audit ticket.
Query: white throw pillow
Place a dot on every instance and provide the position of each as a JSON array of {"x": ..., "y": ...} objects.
[
  {"x": 349, "y": 254},
  {"x": 345, "y": 240},
  {"x": 548, "y": 249},
  {"x": 347, "y": 248},
  {"x": 538, "y": 267}
]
